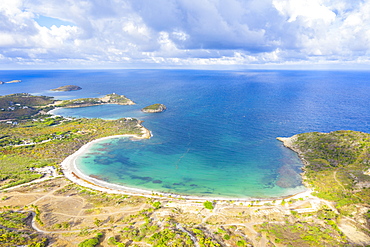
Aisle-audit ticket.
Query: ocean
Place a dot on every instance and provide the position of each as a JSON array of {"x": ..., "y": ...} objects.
[{"x": 217, "y": 137}]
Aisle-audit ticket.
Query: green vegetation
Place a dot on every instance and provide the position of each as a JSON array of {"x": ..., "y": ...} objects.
[
  {"x": 204, "y": 240},
  {"x": 81, "y": 102},
  {"x": 208, "y": 205},
  {"x": 170, "y": 237},
  {"x": 99, "y": 199},
  {"x": 156, "y": 205},
  {"x": 63, "y": 225},
  {"x": 14, "y": 230},
  {"x": 154, "y": 108},
  {"x": 37, "y": 215},
  {"x": 113, "y": 241},
  {"x": 108, "y": 99},
  {"x": 303, "y": 234},
  {"x": 22, "y": 105},
  {"x": 39, "y": 142},
  {"x": 336, "y": 163},
  {"x": 11, "y": 219},
  {"x": 91, "y": 242}
]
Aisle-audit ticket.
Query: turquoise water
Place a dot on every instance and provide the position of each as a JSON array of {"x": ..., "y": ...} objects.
[
  {"x": 217, "y": 137},
  {"x": 140, "y": 164}
]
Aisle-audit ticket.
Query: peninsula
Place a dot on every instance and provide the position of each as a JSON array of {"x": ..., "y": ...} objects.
[
  {"x": 335, "y": 165},
  {"x": 64, "y": 213},
  {"x": 24, "y": 105},
  {"x": 107, "y": 99}
]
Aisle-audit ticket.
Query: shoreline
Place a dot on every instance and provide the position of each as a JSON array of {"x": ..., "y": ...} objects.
[
  {"x": 51, "y": 112},
  {"x": 288, "y": 142},
  {"x": 72, "y": 173}
]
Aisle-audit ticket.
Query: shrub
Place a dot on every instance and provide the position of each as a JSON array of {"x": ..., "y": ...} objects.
[
  {"x": 91, "y": 242},
  {"x": 208, "y": 205}
]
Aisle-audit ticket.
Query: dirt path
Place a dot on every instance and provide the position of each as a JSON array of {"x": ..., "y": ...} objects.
[
  {"x": 336, "y": 180},
  {"x": 43, "y": 197},
  {"x": 194, "y": 239},
  {"x": 104, "y": 214},
  {"x": 32, "y": 182}
]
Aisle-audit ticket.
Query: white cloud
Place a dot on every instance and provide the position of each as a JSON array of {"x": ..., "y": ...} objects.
[
  {"x": 310, "y": 11},
  {"x": 185, "y": 32}
]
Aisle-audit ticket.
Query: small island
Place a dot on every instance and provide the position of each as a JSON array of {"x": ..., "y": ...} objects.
[
  {"x": 66, "y": 88},
  {"x": 9, "y": 82},
  {"x": 155, "y": 108}
]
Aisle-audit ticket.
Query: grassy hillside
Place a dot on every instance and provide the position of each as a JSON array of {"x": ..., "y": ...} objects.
[
  {"x": 337, "y": 163},
  {"x": 48, "y": 141},
  {"x": 108, "y": 99},
  {"x": 22, "y": 105}
]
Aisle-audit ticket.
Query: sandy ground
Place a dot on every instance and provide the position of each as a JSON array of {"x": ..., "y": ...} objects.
[{"x": 82, "y": 210}]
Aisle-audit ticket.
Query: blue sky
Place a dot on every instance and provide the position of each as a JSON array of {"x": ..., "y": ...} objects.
[{"x": 303, "y": 34}]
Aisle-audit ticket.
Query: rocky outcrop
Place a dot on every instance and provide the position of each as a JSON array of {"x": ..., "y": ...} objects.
[
  {"x": 155, "y": 108},
  {"x": 114, "y": 98},
  {"x": 13, "y": 81}
]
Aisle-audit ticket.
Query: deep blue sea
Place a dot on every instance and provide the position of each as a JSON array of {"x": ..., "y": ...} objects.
[{"x": 218, "y": 135}]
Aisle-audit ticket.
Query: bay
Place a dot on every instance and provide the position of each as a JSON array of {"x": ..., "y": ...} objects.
[{"x": 218, "y": 135}]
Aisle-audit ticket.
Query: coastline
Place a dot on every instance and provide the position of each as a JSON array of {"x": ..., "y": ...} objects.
[
  {"x": 79, "y": 106},
  {"x": 288, "y": 142},
  {"x": 71, "y": 172}
]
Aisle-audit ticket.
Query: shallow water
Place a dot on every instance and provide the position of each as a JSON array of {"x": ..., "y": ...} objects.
[{"x": 217, "y": 137}]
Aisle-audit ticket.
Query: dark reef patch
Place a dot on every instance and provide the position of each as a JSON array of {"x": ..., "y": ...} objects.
[
  {"x": 105, "y": 144},
  {"x": 98, "y": 177},
  {"x": 146, "y": 179},
  {"x": 93, "y": 153},
  {"x": 178, "y": 184},
  {"x": 288, "y": 177}
]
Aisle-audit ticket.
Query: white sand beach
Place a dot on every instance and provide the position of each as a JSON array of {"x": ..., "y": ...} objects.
[{"x": 71, "y": 171}]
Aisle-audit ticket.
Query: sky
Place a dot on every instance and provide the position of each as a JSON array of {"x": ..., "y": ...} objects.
[{"x": 317, "y": 34}]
